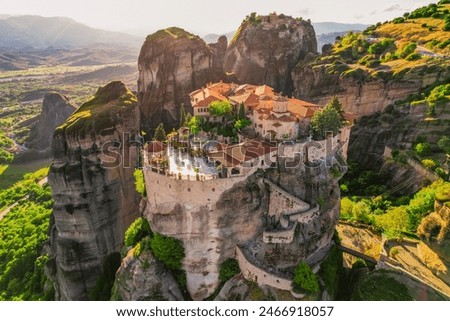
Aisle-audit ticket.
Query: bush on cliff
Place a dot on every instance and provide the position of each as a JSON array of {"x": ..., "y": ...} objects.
[
  {"x": 168, "y": 250},
  {"x": 228, "y": 269},
  {"x": 137, "y": 231},
  {"x": 139, "y": 182},
  {"x": 305, "y": 279}
]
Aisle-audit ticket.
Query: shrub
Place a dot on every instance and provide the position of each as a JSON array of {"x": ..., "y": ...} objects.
[
  {"x": 305, "y": 279},
  {"x": 228, "y": 269},
  {"x": 330, "y": 270},
  {"x": 139, "y": 182},
  {"x": 422, "y": 149},
  {"x": 220, "y": 108},
  {"x": 398, "y": 20},
  {"x": 380, "y": 46},
  {"x": 439, "y": 94},
  {"x": 444, "y": 144},
  {"x": 408, "y": 49},
  {"x": 168, "y": 250},
  {"x": 429, "y": 163},
  {"x": 413, "y": 56},
  {"x": 137, "y": 231}
]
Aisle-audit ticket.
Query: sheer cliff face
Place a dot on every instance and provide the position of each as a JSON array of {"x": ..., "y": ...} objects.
[
  {"x": 173, "y": 63},
  {"x": 55, "y": 110},
  {"x": 266, "y": 51},
  {"x": 93, "y": 188},
  {"x": 361, "y": 93}
]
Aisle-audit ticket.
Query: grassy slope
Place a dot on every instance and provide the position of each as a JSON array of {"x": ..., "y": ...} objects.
[{"x": 347, "y": 54}]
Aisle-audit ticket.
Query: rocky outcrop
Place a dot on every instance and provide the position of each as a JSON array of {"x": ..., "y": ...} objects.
[
  {"x": 265, "y": 49},
  {"x": 93, "y": 189},
  {"x": 212, "y": 217},
  {"x": 360, "y": 93},
  {"x": 173, "y": 63},
  {"x": 55, "y": 110},
  {"x": 144, "y": 278}
]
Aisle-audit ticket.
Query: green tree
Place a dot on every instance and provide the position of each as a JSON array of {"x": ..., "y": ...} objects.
[
  {"x": 160, "y": 133},
  {"x": 228, "y": 269},
  {"x": 326, "y": 120},
  {"x": 221, "y": 108},
  {"x": 422, "y": 149},
  {"x": 188, "y": 119},
  {"x": 139, "y": 182},
  {"x": 182, "y": 115},
  {"x": 195, "y": 124},
  {"x": 336, "y": 105},
  {"x": 242, "y": 123},
  {"x": 168, "y": 250},
  {"x": 241, "y": 113},
  {"x": 305, "y": 279},
  {"x": 394, "y": 222},
  {"x": 137, "y": 231},
  {"x": 444, "y": 144}
]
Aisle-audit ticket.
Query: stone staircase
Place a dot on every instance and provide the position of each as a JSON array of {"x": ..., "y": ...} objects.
[{"x": 294, "y": 212}]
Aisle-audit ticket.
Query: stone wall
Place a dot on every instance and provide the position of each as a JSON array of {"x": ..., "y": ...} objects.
[
  {"x": 305, "y": 217},
  {"x": 163, "y": 190},
  {"x": 283, "y": 203},
  {"x": 280, "y": 237},
  {"x": 255, "y": 273}
]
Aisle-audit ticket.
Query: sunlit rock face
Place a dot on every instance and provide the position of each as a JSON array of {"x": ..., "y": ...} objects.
[
  {"x": 172, "y": 63},
  {"x": 266, "y": 50},
  {"x": 93, "y": 189}
]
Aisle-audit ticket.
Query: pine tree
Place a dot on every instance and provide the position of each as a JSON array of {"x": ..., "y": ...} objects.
[
  {"x": 336, "y": 104},
  {"x": 160, "y": 133},
  {"x": 241, "y": 113}
]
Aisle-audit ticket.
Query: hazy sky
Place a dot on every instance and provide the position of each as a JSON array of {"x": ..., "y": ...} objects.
[{"x": 203, "y": 16}]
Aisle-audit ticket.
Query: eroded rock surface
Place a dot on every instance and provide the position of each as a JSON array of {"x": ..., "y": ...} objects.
[
  {"x": 144, "y": 278},
  {"x": 93, "y": 188},
  {"x": 265, "y": 49},
  {"x": 173, "y": 63}
]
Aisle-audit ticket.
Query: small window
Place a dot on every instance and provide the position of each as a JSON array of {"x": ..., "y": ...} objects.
[
  {"x": 170, "y": 186},
  {"x": 189, "y": 189},
  {"x": 213, "y": 189}
]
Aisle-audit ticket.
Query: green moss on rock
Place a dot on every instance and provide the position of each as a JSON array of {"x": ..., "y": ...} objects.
[{"x": 101, "y": 112}]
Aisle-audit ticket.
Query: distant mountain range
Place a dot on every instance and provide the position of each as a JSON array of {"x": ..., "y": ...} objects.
[
  {"x": 60, "y": 32},
  {"x": 331, "y": 27},
  {"x": 41, "y": 32}
]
